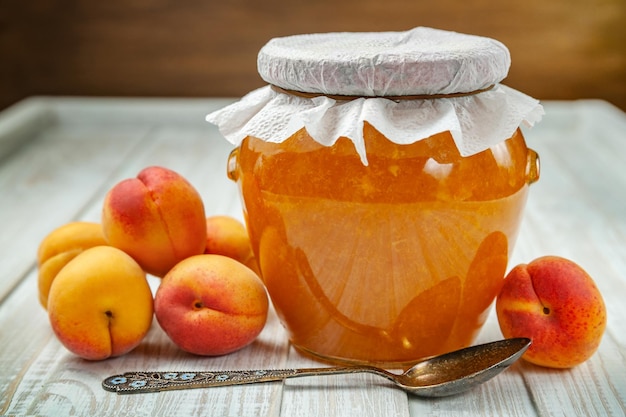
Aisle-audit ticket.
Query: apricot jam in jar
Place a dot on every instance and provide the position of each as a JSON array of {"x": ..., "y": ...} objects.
[{"x": 383, "y": 178}]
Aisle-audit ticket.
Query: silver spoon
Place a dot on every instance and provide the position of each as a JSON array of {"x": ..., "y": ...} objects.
[{"x": 447, "y": 374}]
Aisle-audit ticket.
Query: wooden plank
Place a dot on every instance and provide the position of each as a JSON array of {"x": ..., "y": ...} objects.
[
  {"x": 575, "y": 210},
  {"x": 595, "y": 388},
  {"x": 336, "y": 395},
  {"x": 40, "y": 377},
  {"x": 173, "y": 48},
  {"x": 582, "y": 217},
  {"x": 49, "y": 183},
  {"x": 185, "y": 112},
  {"x": 51, "y": 380},
  {"x": 505, "y": 395},
  {"x": 92, "y": 138},
  {"x": 20, "y": 123}
]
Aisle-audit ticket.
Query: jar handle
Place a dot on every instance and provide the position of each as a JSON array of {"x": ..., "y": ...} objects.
[
  {"x": 532, "y": 166},
  {"x": 232, "y": 166}
]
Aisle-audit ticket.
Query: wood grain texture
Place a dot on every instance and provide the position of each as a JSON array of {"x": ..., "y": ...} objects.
[
  {"x": 77, "y": 149},
  {"x": 561, "y": 49}
]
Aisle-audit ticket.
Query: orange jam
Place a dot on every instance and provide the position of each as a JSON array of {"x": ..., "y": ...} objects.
[{"x": 387, "y": 262}]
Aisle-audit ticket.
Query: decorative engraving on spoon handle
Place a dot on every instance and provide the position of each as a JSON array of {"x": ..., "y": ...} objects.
[{"x": 141, "y": 382}]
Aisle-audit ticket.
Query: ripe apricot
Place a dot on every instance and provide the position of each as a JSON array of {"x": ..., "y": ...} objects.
[
  {"x": 227, "y": 236},
  {"x": 61, "y": 246},
  {"x": 100, "y": 304},
  {"x": 553, "y": 301},
  {"x": 211, "y": 305},
  {"x": 157, "y": 218}
]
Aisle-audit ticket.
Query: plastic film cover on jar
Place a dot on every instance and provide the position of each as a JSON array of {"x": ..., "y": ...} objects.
[{"x": 387, "y": 79}]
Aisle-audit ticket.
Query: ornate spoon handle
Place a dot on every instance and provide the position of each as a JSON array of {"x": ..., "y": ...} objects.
[{"x": 141, "y": 382}]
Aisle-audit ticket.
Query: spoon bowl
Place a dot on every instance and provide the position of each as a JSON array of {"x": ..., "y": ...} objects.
[
  {"x": 461, "y": 370},
  {"x": 447, "y": 374}
]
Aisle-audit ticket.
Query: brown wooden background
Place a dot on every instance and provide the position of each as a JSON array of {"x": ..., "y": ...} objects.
[{"x": 561, "y": 49}]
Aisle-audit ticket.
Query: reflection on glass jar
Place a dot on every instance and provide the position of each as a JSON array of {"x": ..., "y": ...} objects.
[{"x": 386, "y": 262}]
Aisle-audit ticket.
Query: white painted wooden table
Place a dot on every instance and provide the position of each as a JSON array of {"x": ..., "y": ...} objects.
[{"x": 59, "y": 156}]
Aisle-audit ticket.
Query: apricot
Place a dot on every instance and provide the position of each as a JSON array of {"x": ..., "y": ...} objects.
[
  {"x": 553, "y": 301},
  {"x": 100, "y": 304},
  {"x": 61, "y": 246},
  {"x": 157, "y": 218},
  {"x": 211, "y": 305},
  {"x": 227, "y": 236}
]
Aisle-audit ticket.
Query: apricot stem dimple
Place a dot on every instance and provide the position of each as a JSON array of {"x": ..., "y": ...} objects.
[
  {"x": 109, "y": 314},
  {"x": 546, "y": 311},
  {"x": 198, "y": 305}
]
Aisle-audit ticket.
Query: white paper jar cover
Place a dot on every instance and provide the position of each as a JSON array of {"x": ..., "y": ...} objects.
[{"x": 374, "y": 68}]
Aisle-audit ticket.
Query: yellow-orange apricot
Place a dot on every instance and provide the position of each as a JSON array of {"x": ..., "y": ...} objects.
[
  {"x": 100, "y": 304},
  {"x": 61, "y": 246},
  {"x": 227, "y": 236}
]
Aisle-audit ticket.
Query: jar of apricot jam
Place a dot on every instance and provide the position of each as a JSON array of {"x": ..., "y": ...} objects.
[{"x": 388, "y": 245}]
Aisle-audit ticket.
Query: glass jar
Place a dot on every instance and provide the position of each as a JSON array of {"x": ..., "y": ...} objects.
[
  {"x": 383, "y": 263},
  {"x": 384, "y": 257}
]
